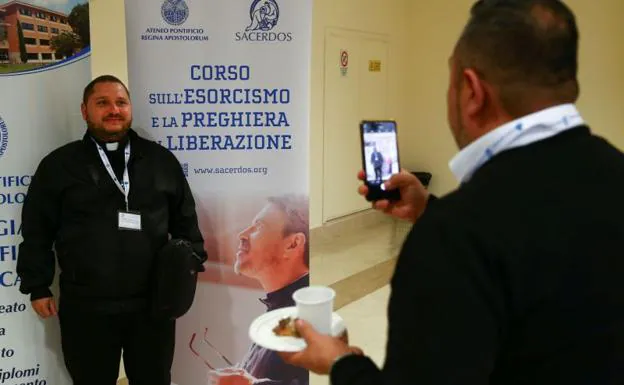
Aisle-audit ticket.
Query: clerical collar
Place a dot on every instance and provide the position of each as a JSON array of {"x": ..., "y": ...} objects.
[
  {"x": 283, "y": 297},
  {"x": 112, "y": 146}
]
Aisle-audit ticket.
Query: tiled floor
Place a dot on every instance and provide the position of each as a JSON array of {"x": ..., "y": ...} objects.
[
  {"x": 362, "y": 316},
  {"x": 358, "y": 264}
]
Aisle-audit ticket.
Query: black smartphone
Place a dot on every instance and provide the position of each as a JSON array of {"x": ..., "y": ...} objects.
[{"x": 380, "y": 157}]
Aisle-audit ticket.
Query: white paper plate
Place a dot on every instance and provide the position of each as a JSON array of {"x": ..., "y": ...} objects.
[{"x": 261, "y": 330}]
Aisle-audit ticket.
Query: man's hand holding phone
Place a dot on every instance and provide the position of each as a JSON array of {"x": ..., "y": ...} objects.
[{"x": 414, "y": 196}]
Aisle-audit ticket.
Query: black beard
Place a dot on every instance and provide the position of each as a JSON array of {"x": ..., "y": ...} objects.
[{"x": 106, "y": 137}]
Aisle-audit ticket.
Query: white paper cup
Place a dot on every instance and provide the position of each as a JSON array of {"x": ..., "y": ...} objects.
[{"x": 315, "y": 305}]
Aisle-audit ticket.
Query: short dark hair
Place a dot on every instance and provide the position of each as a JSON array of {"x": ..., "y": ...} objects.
[
  {"x": 527, "y": 49},
  {"x": 101, "y": 79},
  {"x": 296, "y": 209}
]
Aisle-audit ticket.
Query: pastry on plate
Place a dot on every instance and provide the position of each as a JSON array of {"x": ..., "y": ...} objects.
[{"x": 286, "y": 328}]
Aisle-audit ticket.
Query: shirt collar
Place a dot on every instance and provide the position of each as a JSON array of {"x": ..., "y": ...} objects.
[
  {"x": 283, "y": 297},
  {"x": 137, "y": 145},
  {"x": 519, "y": 132}
]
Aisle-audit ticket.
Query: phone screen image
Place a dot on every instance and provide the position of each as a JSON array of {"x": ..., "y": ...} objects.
[{"x": 381, "y": 155}]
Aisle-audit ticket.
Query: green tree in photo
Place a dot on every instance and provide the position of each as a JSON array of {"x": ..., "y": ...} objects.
[
  {"x": 22, "y": 44},
  {"x": 65, "y": 43},
  {"x": 79, "y": 21},
  {"x": 3, "y": 31}
]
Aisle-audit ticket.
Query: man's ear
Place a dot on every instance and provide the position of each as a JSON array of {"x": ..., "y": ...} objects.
[
  {"x": 473, "y": 92},
  {"x": 296, "y": 241},
  {"x": 83, "y": 109}
]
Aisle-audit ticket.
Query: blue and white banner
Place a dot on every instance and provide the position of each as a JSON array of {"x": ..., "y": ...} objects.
[
  {"x": 224, "y": 85},
  {"x": 40, "y": 94}
]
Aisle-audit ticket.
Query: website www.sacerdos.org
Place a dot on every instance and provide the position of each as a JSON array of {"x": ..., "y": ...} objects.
[{"x": 231, "y": 170}]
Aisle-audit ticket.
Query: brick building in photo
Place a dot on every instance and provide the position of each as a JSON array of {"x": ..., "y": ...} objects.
[
  {"x": 4, "y": 38},
  {"x": 39, "y": 26}
]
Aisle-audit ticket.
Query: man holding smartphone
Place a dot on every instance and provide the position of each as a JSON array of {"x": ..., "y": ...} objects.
[{"x": 516, "y": 276}]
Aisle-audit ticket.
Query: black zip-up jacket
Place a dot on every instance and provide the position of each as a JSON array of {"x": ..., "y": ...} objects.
[{"x": 72, "y": 206}]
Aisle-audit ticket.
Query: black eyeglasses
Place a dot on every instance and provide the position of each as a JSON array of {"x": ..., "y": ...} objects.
[{"x": 193, "y": 346}]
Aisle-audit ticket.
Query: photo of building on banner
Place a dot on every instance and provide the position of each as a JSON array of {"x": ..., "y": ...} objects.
[
  {"x": 233, "y": 107},
  {"x": 35, "y": 34},
  {"x": 44, "y": 66}
]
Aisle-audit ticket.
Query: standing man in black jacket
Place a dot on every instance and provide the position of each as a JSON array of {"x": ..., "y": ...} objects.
[
  {"x": 107, "y": 204},
  {"x": 516, "y": 277}
]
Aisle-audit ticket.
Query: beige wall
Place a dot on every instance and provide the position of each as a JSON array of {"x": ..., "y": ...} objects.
[
  {"x": 108, "y": 38},
  {"x": 388, "y": 17},
  {"x": 422, "y": 34},
  {"x": 602, "y": 66},
  {"x": 434, "y": 27}
]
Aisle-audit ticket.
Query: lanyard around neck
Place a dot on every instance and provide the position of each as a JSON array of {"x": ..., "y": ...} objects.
[{"x": 125, "y": 187}]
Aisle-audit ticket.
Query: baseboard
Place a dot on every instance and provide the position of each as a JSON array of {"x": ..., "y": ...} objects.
[{"x": 348, "y": 224}]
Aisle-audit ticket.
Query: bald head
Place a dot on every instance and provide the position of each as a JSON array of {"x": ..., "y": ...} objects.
[{"x": 526, "y": 49}]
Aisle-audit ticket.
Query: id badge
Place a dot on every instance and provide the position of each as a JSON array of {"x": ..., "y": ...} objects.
[{"x": 129, "y": 221}]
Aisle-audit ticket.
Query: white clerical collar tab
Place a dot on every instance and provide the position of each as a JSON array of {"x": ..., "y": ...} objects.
[{"x": 112, "y": 146}]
